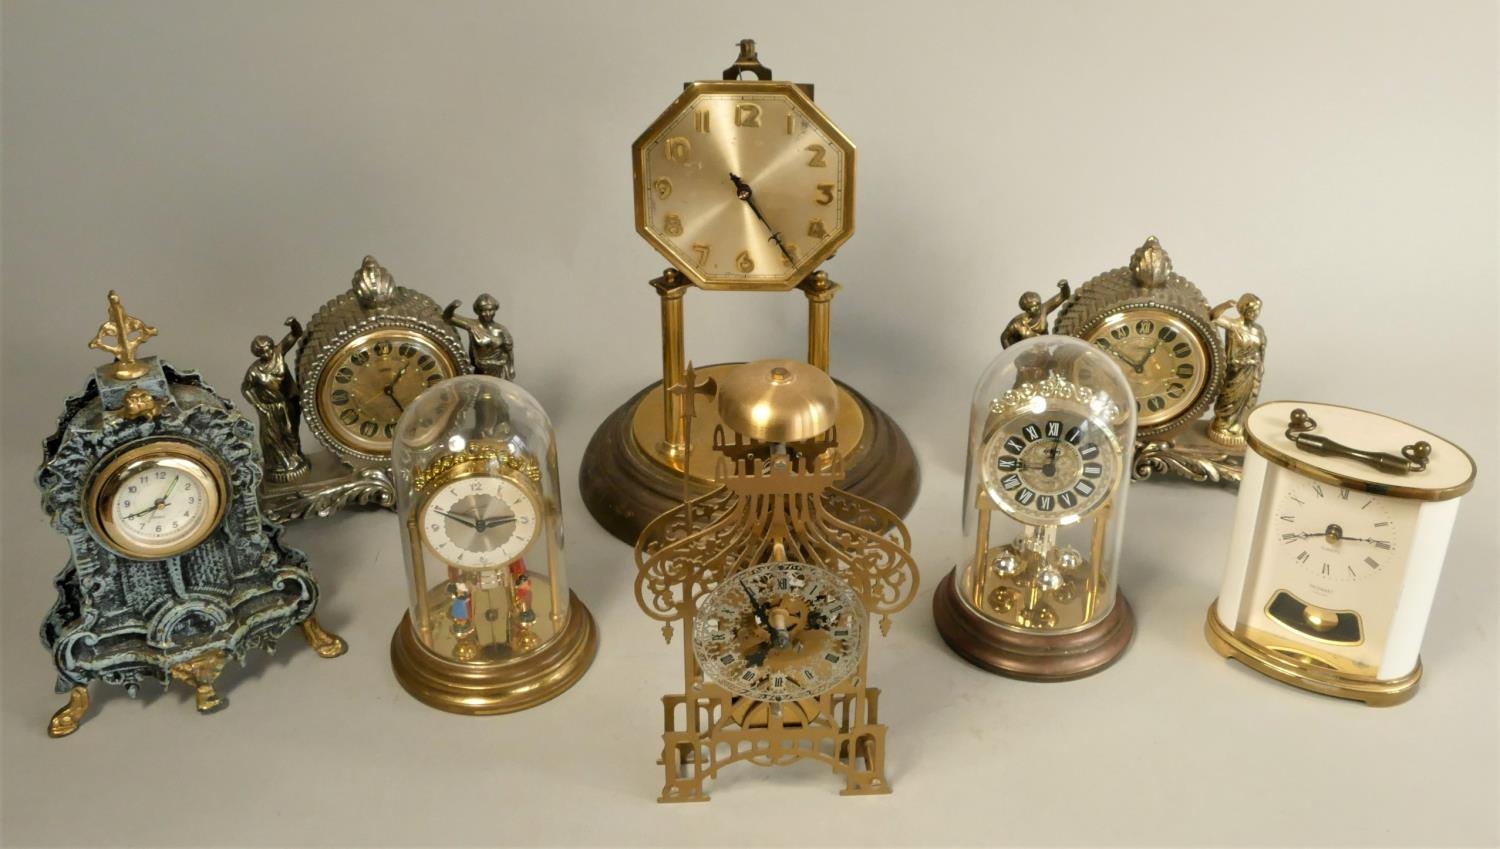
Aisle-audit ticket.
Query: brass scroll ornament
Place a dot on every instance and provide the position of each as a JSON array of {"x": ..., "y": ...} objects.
[{"x": 1413, "y": 457}]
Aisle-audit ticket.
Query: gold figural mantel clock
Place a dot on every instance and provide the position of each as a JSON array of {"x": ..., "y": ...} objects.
[
  {"x": 365, "y": 356},
  {"x": 1340, "y": 532},
  {"x": 774, "y": 576},
  {"x": 743, "y": 185},
  {"x": 1182, "y": 358}
]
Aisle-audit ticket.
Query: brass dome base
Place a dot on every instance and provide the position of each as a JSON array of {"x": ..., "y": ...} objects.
[
  {"x": 625, "y": 487},
  {"x": 481, "y": 689},
  {"x": 1031, "y": 657},
  {"x": 1284, "y": 667}
]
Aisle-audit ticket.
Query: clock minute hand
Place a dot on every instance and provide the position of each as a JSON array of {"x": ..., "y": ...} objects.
[{"x": 743, "y": 192}]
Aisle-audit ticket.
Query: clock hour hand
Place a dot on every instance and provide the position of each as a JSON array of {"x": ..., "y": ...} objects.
[
  {"x": 743, "y": 192},
  {"x": 761, "y": 610},
  {"x": 462, "y": 519}
]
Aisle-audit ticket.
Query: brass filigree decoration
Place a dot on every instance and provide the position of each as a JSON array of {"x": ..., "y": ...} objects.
[
  {"x": 774, "y": 502},
  {"x": 1055, "y": 386},
  {"x": 477, "y": 452}
]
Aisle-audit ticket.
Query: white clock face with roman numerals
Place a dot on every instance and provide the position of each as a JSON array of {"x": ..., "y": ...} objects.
[
  {"x": 480, "y": 522},
  {"x": 780, "y": 632},
  {"x": 1052, "y": 467},
  {"x": 1333, "y": 533}
]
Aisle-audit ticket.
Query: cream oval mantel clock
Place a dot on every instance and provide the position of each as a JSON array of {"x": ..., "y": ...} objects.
[
  {"x": 1341, "y": 527},
  {"x": 742, "y": 185},
  {"x": 173, "y": 571},
  {"x": 365, "y": 355}
]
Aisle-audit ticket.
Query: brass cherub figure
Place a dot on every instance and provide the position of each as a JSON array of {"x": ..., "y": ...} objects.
[
  {"x": 271, "y": 389},
  {"x": 1245, "y": 353},
  {"x": 1033, "y": 318}
]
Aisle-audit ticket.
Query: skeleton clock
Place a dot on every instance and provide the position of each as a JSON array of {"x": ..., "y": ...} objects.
[
  {"x": 173, "y": 570},
  {"x": 773, "y": 576},
  {"x": 742, "y": 185}
]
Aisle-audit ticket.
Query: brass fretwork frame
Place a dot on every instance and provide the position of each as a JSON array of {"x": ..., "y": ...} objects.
[
  {"x": 671, "y": 287},
  {"x": 774, "y": 502}
]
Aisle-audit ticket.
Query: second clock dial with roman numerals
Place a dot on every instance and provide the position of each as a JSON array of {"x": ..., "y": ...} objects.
[
  {"x": 1335, "y": 533},
  {"x": 1052, "y": 467}
]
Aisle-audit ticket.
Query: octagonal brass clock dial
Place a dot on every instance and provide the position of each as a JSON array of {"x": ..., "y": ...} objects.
[{"x": 744, "y": 185}]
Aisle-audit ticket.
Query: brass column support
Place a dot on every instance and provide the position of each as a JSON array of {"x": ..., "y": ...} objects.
[
  {"x": 819, "y": 291},
  {"x": 981, "y": 555},
  {"x": 671, "y": 286}
]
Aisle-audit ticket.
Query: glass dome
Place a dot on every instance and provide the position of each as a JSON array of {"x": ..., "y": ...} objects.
[
  {"x": 475, "y": 471},
  {"x": 1051, "y": 434}
]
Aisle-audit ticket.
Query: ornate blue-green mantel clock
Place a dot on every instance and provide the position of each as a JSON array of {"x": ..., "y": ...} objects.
[{"x": 152, "y": 478}]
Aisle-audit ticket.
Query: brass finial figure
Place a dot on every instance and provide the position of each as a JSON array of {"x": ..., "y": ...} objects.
[
  {"x": 121, "y": 325},
  {"x": 491, "y": 348},
  {"x": 1245, "y": 356},
  {"x": 373, "y": 285},
  {"x": 271, "y": 389},
  {"x": 1150, "y": 264},
  {"x": 1033, "y": 318}
]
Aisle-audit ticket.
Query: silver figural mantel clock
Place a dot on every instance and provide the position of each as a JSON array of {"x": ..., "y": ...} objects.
[
  {"x": 364, "y": 357},
  {"x": 173, "y": 571}
]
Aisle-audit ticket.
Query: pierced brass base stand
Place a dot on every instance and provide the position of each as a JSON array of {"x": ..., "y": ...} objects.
[
  {"x": 1031, "y": 657},
  {"x": 1296, "y": 669},
  {"x": 1190, "y": 454},
  {"x": 482, "y": 689},
  {"x": 625, "y": 485}
]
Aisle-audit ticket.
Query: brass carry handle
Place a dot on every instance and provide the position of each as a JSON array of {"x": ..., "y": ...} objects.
[{"x": 1413, "y": 457}]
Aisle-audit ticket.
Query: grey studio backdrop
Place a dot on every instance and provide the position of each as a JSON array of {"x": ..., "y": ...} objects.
[{"x": 227, "y": 165}]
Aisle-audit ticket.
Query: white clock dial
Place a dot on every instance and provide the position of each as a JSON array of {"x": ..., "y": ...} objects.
[
  {"x": 163, "y": 503},
  {"x": 1335, "y": 534},
  {"x": 480, "y": 522},
  {"x": 158, "y": 499}
]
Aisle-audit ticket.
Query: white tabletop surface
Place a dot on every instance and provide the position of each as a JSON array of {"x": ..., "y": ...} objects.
[{"x": 227, "y": 165}]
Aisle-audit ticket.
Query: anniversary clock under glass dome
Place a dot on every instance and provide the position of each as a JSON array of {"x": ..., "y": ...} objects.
[
  {"x": 492, "y": 626},
  {"x": 1044, "y": 504}
]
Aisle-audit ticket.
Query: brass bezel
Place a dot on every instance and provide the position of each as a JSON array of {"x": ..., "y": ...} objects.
[
  {"x": 116, "y": 470},
  {"x": 1213, "y": 354},
  {"x": 1307, "y": 469},
  {"x": 337, "y": 430},
  {"x": 803, "y": 101},
  {"x": 477, "y": 468}
]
